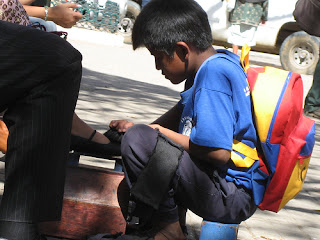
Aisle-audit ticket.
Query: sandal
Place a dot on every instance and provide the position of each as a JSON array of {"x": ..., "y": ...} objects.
[{"x": 88, "y": 147}]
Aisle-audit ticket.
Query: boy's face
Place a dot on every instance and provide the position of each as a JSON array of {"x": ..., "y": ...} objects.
[{"x": 173, "y": 68}]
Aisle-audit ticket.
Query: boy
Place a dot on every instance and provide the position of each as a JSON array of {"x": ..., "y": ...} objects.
[{"x": 184, "y": 157}]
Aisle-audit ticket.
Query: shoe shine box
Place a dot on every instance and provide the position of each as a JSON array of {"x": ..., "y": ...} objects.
[{"x": 91, "y": 204}]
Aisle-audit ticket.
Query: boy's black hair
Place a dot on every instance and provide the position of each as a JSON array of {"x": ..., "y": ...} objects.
[{"x": 163, "y": 23}]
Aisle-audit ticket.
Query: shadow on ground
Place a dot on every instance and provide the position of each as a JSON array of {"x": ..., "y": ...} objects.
[{"x": 105, "y": 97}]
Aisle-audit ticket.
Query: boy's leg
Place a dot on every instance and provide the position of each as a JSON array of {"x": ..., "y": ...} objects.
[
  {"x": 137, "y": 146},
  {"x": 200, "y": 189},
  {"x": 40, "y": 78},
  {"x": 194, "y": 185}
]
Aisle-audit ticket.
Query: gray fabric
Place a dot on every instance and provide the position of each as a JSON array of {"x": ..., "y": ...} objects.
[{"x": 153, "y": 183}]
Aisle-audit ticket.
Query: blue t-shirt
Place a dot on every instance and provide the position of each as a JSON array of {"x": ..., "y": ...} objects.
[{"x": 217, "y": 109}]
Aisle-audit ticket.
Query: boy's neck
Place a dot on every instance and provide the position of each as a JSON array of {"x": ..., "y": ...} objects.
[{"x": 199, "y": 58}]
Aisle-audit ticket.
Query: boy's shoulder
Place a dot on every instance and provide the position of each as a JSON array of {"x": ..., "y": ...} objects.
[
  {"x": 226, "y": 54},
  {"x": 223, "y": 60}
]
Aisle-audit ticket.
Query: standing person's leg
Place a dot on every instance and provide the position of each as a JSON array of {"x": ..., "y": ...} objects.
[
  {"x": 40, "y": 78},
  {"x": 235, "y": 48},
  {"x": 312, "y": 101},
  {"x": 193, "y": 185}
]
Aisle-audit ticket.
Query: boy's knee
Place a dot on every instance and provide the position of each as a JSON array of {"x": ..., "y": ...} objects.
[
  {"x": 137, "y": 132},
  {"x": 139, "y": 138}
]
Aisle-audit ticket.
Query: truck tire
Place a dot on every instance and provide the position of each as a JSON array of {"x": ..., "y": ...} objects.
[
  {"x": 125, "y": 25},
  {"x": 299, "y": 53}
]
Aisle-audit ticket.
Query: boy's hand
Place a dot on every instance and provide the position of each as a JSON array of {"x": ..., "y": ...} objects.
[{"x": 121, "y": 125}]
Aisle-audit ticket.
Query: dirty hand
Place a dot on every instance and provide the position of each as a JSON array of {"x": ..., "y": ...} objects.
[
  {"x": 63, "y": 14},
  {"x": 121, "y": 125}
]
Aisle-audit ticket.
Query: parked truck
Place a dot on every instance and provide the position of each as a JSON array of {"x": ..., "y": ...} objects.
[{"x": 299, "y": 51}]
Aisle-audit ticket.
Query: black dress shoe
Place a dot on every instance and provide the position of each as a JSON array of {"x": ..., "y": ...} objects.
[
  {"x": 88, "y": 147},
  {"x": 113, "y": 135}
]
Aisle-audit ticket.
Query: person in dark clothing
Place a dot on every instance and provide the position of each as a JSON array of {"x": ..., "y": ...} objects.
[
  {"x": 307, "y": 15},
  {"x": 40, "y": 79}
]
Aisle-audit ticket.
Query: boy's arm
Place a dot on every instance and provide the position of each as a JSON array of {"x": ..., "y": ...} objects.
[
  {"x": 214, "y": 156},
  {"x": 176, "y": 137},
  {"x": 170, "y": 119}
]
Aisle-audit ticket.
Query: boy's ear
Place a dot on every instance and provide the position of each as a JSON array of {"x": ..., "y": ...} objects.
[{"x": 183, "y": 51}]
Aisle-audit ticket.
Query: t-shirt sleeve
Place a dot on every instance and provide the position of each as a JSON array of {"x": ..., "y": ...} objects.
[{"x": 213, "y": 110}]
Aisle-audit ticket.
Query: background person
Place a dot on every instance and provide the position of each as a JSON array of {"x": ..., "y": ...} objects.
[
  {"x": 307, "y": 15},
  {"x": 62, "y": 14},
  {"x": 245, "y": 19}
]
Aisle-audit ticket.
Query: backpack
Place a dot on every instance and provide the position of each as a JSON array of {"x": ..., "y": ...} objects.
[{"x": 286, "y": 136}]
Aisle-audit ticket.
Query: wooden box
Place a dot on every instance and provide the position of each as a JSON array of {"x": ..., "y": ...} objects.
[{"x": 90, "y": 204}]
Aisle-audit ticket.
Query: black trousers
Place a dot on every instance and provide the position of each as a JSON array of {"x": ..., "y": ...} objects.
[{"x": 40, "y": 76}]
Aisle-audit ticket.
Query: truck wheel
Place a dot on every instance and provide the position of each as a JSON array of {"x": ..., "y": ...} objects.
[
  {"x": 299, "y": 53},
  {"x": 125, "y": 25}
]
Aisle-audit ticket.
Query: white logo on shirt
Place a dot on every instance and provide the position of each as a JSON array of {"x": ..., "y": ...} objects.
[
  {"x": 246, "y": 91},
  {"x": 187, "y": 126}
]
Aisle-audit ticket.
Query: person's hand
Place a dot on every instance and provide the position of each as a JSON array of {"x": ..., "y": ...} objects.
[
  {"x": 121, "y": 125},
  {"x": 63, "y": 15},
  {"x": 263, "y": 22}
]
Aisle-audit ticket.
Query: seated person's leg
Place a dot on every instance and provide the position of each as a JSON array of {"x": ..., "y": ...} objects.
[{"x": 41, "y": 75}]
